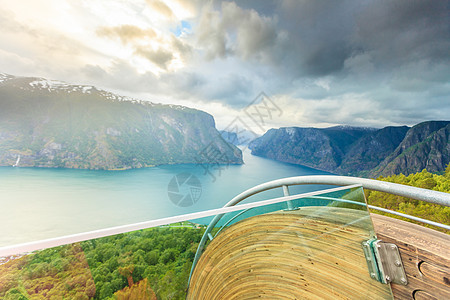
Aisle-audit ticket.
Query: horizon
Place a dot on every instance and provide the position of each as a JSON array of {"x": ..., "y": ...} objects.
[{"x": 373, "y": 65}]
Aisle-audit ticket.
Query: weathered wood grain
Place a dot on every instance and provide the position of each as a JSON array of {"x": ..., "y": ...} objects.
[{"x": 425, "y": 254}]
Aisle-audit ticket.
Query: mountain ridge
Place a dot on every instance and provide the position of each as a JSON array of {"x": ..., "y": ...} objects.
[
  {"x": 55, "y": 124},
  {"x": 320, "y": 148},
  {"x": 425, "y": 146},
  {"x": 370, "y": 153}
]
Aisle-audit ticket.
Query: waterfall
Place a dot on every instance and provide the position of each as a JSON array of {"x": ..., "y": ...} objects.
[{"x": 17, "y": 161}]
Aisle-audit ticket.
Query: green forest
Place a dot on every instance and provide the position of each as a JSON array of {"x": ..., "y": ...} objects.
[
  {"x": 146, "y": 264},
  {"x": 421, "y": 209}
]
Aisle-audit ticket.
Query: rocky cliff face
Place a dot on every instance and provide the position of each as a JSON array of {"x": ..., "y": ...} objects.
[
  {"x": 323, "y": 149},
  {"x": 370, "y": 150},
  {"x": 54, "y": 124},
  {"x": 425, "y": 146},
  {"x": 361, "y": 152}
]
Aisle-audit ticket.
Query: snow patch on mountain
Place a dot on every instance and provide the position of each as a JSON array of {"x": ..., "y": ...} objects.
[
  {"x": 60, "y": 86},
  {"x": 5, "y": 77},
  {"x": 291, "y": 131},
  {"x": 87, "y": 89},
  {"x": 57, "y": 86}
]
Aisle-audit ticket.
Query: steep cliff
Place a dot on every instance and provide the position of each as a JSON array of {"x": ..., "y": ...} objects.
[
  {"x": 313, "y": 147},
  {"x": 361, "y": 151},
  {"x": 370, "y": 150},
  {"x": 54, "y": 124},
  {"x": 425, "y": 146}
]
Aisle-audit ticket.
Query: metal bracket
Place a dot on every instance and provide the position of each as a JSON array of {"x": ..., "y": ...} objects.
[
  {"x": 384, "y": 262},
  {"x": 371, "y": 259}
]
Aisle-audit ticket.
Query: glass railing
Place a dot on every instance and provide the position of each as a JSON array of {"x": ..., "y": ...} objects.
[
  {"x": 286, "y": 247},
  {"x": 291, "y": 249}
]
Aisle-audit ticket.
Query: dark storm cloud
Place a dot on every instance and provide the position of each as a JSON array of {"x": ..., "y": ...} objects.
[
  {"x": 399, "y": 31},
  {"x": 236, "y": 31},
  {"x": 319, "y": 36},
  {"x": 390, "y": 56},
  {"x": 315, "y": 38},
  {"x": 324, "y": 36}
]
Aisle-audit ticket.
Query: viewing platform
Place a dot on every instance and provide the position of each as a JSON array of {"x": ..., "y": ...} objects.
[
  {"x": 316, "y": 245},
  {"x": 299, "y": 254}
]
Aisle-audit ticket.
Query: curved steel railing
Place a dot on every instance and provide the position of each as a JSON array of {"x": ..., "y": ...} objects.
[
  {"x": 370, "y": 184},
  {"x": 29, "y": 247}
]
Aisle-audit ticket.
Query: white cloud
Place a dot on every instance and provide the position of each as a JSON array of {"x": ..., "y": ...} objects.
[{"x": 323, "y": 82}]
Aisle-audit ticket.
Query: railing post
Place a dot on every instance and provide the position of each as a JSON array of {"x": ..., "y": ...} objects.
[{"x": 290, "y": 205}]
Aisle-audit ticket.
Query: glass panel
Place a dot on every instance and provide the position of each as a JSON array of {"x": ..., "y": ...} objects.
[
  {"x": 308, "y": 247},
  {"x": 351, "y": 199},
  {"x": 252, "y": 249}
]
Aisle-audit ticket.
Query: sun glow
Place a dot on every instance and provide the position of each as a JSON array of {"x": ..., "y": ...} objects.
[{"x": 81, "y": 23}]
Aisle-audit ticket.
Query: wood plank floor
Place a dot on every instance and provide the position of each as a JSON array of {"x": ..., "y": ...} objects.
[
  {"x": 425, "y": 255},
  {"x": 311, "y": 253}
]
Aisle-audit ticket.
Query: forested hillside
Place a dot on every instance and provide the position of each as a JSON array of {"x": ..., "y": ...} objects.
[
  {"x": 412, "y": 207},
  {"x": 147, "y": 264}
]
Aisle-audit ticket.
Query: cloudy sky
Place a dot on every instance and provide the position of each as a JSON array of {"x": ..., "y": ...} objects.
[{"x": 362, "y": 63}]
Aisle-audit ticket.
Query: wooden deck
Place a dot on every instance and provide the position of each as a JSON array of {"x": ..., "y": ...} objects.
[
  {"x": 311, "y": 253},
  {"x": 425, "y": 254}
]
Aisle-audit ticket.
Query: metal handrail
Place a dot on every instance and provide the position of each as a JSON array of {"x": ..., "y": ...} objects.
[
  {"x": 370, "y": 184},
  {"x": 80, "y": 237},
  {"x": 425, "y": 221}
]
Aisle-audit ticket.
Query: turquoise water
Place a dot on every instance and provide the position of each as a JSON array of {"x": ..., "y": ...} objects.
[{"x": 40, "y": 203}]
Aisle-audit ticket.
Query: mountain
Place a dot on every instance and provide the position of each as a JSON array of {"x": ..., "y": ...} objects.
[
  {"x": 370, "y": 150},
  {"x": 240, "y": 137},
  {"x": 230, "y": 137},
  {"x": 54, "y": 124},
  {"x": 425, "y": 146},
  {"x": 360, "y": 151},
  {"x": 313, "y": 147}
]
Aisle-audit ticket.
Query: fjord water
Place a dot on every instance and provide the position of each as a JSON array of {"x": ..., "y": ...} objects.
[{"x": 40, "y": 203}]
